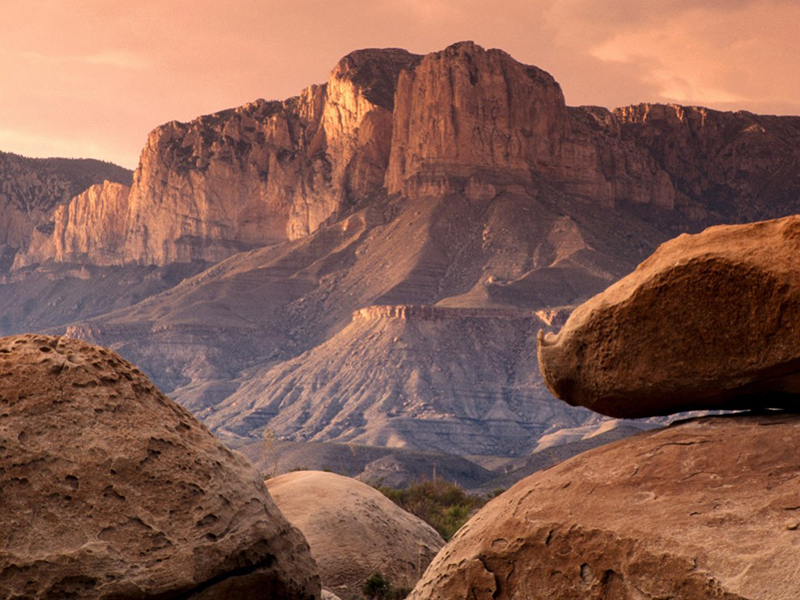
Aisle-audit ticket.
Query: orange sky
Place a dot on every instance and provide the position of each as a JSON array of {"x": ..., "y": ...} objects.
[{"x": 90, "y": 78}]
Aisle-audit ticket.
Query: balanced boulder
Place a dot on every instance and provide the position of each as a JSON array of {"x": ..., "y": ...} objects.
[
  {"x": 709, "y": 508},
  {"x": 709, "y": 321},
  {"x": 355, "y": 531},
  {"x": 110, "y": 490}
]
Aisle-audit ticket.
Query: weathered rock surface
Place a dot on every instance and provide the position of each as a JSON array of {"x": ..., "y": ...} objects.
[
  {"x": 709, "y": 321},
  {"x": 354, "y": 530},
  {"x": 91, "y": 224},
  {"x": 465, "y": 111},
  {"x": 258, "y": 174},
  {"x": 109, "y": 489},
  {"x": 704, "y": 509}
]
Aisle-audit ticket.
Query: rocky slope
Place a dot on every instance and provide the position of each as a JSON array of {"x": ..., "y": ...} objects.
[
  {"x": 230, "y": 325},
  {"x": 446, "y": 379},
  {"x": 702, "y": 509},
  {"x": 111, "y": 490}
]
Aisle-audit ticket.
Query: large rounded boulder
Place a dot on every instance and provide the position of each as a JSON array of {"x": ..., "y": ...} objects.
[
  {"x": 709, "y": 321},
  {"x": 709, "y": 508},
  {"x": 354, "y": 531},
  {"x": 110, "y": 490}
]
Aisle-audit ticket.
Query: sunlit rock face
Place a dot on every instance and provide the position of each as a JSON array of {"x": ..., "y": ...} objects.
[
  {"x": 461, "y": 121},
  {"x": 91, "y": 224},
  {"x": 32, "y": 188},
  {"x": 265, "y": 172},
  {"x": 262, "y": 173},
  {"x": 466, "y": 110}
]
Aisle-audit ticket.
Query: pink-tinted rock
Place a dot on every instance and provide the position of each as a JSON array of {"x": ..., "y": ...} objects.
[{"x": 110, "y": 490}]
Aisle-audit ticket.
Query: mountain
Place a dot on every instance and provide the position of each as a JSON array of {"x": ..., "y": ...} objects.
[{"x": 456, "y": 188}]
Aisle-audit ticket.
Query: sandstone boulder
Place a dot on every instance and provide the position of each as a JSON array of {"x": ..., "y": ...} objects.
[
  {"x": 709, "y": 321},
  {"x": 110, "y": 490},
  {"x": 354, "y": 530},
  {"x": 704, "y": 509}
]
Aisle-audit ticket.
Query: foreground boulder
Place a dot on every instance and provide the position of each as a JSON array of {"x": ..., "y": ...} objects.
[
  {"x": 708, "y": 321},
  {"x": 354, "y": 531},
  {"x": 109, "y": 489},
  {"x": 709, "y": 508}
]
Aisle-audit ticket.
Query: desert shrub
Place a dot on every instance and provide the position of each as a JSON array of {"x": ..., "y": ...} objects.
[
  {"x": 443, "y": 505},
  {"x": 377, "y": 587}
]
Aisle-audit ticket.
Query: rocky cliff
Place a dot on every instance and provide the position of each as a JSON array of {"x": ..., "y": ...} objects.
[
  {"x": 30, "y": 188},
  {"x": 258, "y": 174},
  {"x": 90, "y": 225},
  {"x": 461, "y": 121}
]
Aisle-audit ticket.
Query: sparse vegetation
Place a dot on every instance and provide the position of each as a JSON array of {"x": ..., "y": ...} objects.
[
  {"x": 445, "y": 506},
  {"x": 378, "y": 587}
]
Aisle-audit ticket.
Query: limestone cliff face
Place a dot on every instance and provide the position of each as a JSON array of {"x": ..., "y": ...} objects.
[
  {"x": 30, "y": 188},
  {"x": 92, "y": 223},
  {"x": 264, "y": 172},
  {"x": 466, "y": 110},
  {"x": 227, "y": 182},
  {"x": 461, "y": 121},
  {"x": 467, "y": 119},
  {"x": 738, "y": 163}
]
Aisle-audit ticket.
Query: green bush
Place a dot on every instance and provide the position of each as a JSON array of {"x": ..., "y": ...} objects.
[
  {"x": 441, "y": 504},
  {"x": 376, "y": 587}
]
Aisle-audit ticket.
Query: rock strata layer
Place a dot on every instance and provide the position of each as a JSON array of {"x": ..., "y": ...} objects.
[
  {"x": 110, "y": 490},
  {"x": 704, "y": 509},
  {"x": 709, "y": 321},
  {"x": 354, "y": 531}
]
